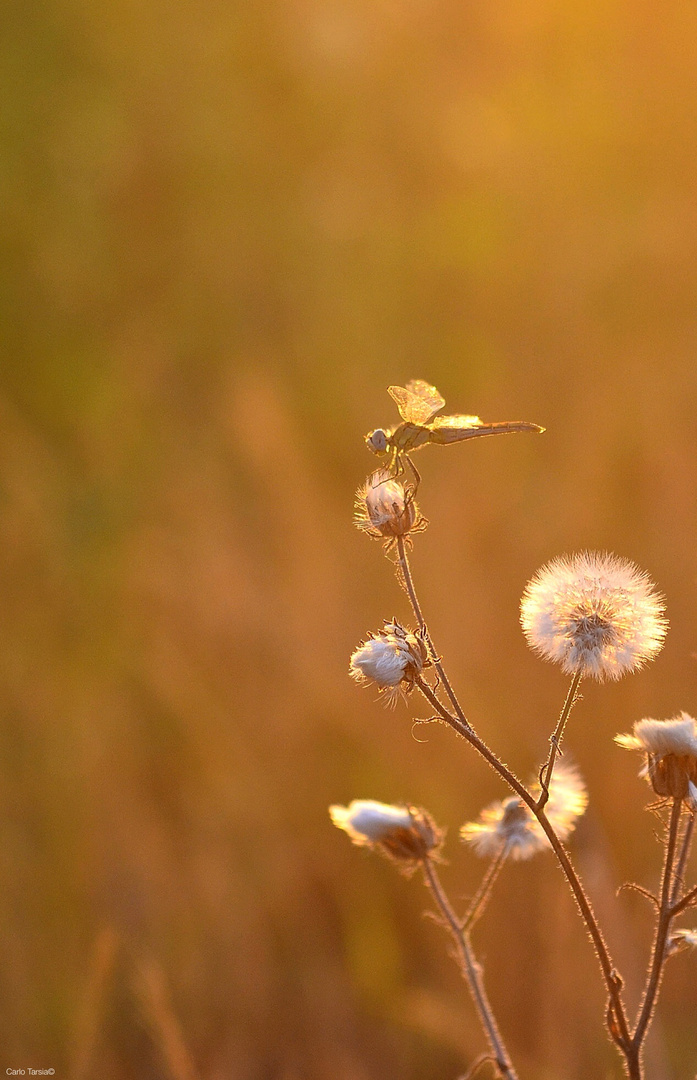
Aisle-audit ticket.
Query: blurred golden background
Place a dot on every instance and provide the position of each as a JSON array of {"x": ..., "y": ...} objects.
[{"x": 227, "y": 228}]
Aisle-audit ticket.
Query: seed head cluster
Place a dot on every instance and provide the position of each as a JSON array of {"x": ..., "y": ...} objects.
[
  {"x": 510, "y": 826},
  {"x": 594, "y": 613}
]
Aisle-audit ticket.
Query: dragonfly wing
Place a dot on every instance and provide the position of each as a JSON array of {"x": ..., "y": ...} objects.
[
  {"x": 447, "y": 429},
  {"x": 459, "y": 422},
  {"x": 417, "y": 402}
]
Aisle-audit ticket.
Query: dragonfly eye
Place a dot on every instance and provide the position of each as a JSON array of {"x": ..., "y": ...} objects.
[{"x": 377, "y": 441}]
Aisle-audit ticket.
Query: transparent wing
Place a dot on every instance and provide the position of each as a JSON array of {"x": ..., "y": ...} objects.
[
  {"x": 417, "y": 401},
  {"x": 447, "y": 429}
]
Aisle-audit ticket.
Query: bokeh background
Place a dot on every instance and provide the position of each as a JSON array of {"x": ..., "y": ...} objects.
[{"x": 227, "y": 227}]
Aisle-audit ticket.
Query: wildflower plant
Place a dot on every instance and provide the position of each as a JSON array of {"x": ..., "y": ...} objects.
[{"x": 597, "y": 616}]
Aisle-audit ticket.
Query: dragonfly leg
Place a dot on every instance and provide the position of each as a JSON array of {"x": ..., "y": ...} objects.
[
  {"x": 396, "y": 460},
  {"x": 415, "y": 473}
]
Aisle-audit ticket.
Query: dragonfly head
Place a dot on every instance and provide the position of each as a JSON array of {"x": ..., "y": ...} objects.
[{"x": 377, "y": 441}]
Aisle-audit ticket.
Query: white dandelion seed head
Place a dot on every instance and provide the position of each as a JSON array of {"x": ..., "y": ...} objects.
[
  {"x": 391, "y": 658},
  {"x": 671, "y": 755},
  {"x": 594, "y": 613},
  {"x": 509, "y": 825},
  {"x": 405, "y": 833},
  {"x": 386, "y": 509}
]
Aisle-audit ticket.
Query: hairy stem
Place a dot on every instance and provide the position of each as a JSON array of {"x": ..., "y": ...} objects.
[
  {"x": 665, "y": 917},
  {"x": 687, "y": 900},
  {"x": 679, "y": 879},
  {"x": 616, "y": 1015},
  {"x": 471, "y": 972},
  {"x": 613, "y": 982},
  {"x": 481, "y": 897},
  {"x": 418, "y": 614},
  {"x": 555, "y": 740}
]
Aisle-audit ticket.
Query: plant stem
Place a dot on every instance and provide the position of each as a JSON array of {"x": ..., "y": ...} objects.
[
  {"x": 481, "y": 897},
  {"x": 411, "y": 593},
  {"x": 471, "y": 972},
  {"x": 613, "y": 981},
  {"x": 688, "y": 899},
  {"x": 555, "y": 740},
  {"x": 617, "y": 1019},
  {"x": 665, "y": 917},
  {"x": 679, "y": 879}
]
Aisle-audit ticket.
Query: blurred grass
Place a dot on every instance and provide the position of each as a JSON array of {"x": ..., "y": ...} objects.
[{"x": 227, "y": 229}]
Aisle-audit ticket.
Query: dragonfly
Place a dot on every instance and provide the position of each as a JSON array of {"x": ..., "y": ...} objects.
[{"x": 418, "y": 403}]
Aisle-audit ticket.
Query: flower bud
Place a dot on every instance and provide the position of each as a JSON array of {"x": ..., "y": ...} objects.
[
  {"x": 392, "y": 658},
  {"x": 406, "y": 834},
  {"x": 671, "y": 755},
  {"x": 386, "y": 509}
]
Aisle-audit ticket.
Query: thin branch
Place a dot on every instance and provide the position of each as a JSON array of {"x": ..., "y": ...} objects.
[
  {"x": 418, "y": 614},
  {"x": 642, "y": 892},
  {"x": 687, "y": 901},
  {"x": 555, "y": 740},
  {"x": 483, "y": 1059},
  {"x": 471, "y": 971},
  {"x": 481, "y": 897},
  {"x": 612, "y": 980},
  {"x": 665, "y": 918},
  {"x": 679, "y": 879}
]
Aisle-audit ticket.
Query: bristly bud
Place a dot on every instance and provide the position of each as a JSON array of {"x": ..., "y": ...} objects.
[
  {"x": 593, "y": 613},
  {"x": 392, "y": 659},
  {"x": 671, "y": 755},
  {"x": 510, "y": 825},
  {"x": 406, "y": 834},
  {"x": 386, "y": 509}
]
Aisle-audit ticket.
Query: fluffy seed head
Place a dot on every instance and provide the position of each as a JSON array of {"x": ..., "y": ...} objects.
[
  {"x": 509, "y": 825},
  {"x": 385, "y": 508},
  {"x": 391, "y": 658},
  {"x": 404, "y": 833},
  {"x": 671, "y": 755},
  {"x": 682, "y": 939},
  {"x": 594, "y": 613}
]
